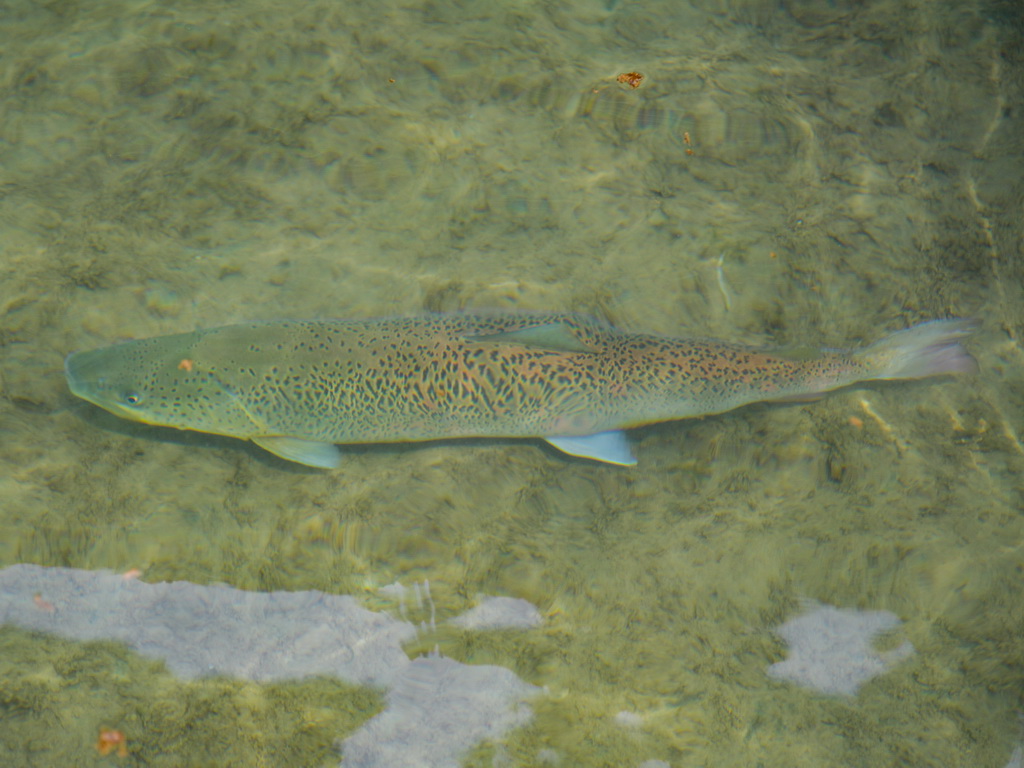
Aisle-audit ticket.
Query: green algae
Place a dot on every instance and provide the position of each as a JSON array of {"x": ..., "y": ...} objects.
[{"x": 57, "y": 695}]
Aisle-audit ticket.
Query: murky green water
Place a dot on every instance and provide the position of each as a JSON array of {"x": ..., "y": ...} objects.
[{"x": 785, "y": 173}]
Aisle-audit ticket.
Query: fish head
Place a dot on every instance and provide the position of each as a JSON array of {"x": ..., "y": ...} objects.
[{"x": 156, "y": 381}]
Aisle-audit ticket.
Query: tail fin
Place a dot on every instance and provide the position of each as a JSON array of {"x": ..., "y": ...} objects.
[{"x": 928, "y": 349}]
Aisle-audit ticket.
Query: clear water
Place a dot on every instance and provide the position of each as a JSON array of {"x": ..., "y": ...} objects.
[{"x": 792, "y": 172}]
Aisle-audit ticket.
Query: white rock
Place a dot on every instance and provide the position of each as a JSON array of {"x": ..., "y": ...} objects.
[{"x": 830, "y": 649}]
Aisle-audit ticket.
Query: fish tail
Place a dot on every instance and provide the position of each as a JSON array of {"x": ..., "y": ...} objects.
[{"x": 928, "y": 349}]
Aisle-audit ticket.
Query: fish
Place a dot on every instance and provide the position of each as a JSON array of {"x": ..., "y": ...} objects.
[{"x": 298, "y": 388}]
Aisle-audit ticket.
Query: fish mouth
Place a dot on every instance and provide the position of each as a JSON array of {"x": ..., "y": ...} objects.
[
  {"x": 74, "y": 373},
  {"x": 75, "y": 382},
  {"x": 86, "y": 377}
]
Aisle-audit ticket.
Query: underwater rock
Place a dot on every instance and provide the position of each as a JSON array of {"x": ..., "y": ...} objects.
[
  {"x": 200, "y": 630},
  {"x": 830, "y": 649},
  {"x": 437, "y": 709},
  {"x": 499, "y": 613}
]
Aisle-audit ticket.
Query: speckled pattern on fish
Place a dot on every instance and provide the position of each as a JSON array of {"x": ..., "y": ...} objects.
[{"x": 288, "y": 384}]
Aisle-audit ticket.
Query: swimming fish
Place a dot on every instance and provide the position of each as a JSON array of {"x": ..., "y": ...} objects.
[{"x": 297, "y": 388}]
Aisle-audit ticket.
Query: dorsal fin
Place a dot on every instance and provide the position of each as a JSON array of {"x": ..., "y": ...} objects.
[
  {"x": 554, "y": 336},
  {"x": 797, "y": 353}
]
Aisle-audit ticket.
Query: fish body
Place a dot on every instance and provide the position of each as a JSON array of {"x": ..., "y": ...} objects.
[{"x": 299, "y": 387}]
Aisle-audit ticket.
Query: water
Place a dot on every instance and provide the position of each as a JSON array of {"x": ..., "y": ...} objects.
[{"x": 785, "y": 173}]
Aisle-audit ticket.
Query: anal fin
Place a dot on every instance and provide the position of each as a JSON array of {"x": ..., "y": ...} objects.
[
  {"x": 610, "y": 447},
  {"x": 312, "y": 453}
]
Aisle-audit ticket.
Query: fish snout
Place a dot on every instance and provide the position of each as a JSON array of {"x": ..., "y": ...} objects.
[
  {"x": 80, "y": 369},
  {"x": 89, "y": 376}
]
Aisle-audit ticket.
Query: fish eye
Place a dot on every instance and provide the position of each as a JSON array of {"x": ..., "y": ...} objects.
[{"x": 132, "y": 398}]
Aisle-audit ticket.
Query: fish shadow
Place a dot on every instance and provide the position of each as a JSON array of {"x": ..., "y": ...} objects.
[{"x": 105, "y": 421}]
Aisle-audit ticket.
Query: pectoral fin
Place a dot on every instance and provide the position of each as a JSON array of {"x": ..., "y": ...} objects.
[
  {"x": 611, "y": 447},
  {"x": 309, "y": 452},
  {"x": 554, "y": 336}
]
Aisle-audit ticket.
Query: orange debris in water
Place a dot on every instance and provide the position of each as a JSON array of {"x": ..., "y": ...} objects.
[
  {"x": 43, "y": 604},
  {"x": 111, "y": 740},
  {"x": 632, "y": 79}
]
